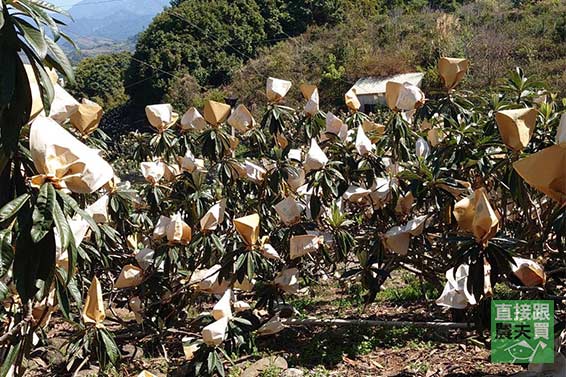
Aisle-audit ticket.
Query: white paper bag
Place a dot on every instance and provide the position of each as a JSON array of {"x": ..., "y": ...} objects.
[
  {"x": 241, "y": 119},
  {"x": 222, "y": 308},
  {"x": 153, "y": 171},
  {"x": 316, "y": 158},
  {"x": 214, "y": 334},
  {"x": 130, "y": 276},
  {"x": 162, "y": 116},
  {"x": 289, "y": 211},
  {"x": 214, "y": 216},
  {"x": 335, "y": 126},
  {"x": 276, "y": 89},
  {"x": 63, "y": 105},
  {"x": 304, "y": 244},
  {"x": 192, "y": 120},
  {"x": 99, "y": 210},
  {"x": 356, "y": 194},
  {"x": 288, "y": 280},
  {"x": 363, "y": 143},
  {"x": 60, "y": 158}
]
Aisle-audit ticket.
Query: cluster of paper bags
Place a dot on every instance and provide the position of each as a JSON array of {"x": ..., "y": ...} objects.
[{"x": 62, "y": 159}]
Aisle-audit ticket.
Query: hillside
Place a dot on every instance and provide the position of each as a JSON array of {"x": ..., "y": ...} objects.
[
  {"x": 117, "y": 20},
  {"x": 110, "y": 26}
]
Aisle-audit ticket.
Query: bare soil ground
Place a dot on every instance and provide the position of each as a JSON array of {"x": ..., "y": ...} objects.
[{"x": 335, "y": 351}]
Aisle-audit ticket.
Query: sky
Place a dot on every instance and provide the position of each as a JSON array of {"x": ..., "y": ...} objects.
[{"x": 65, "y": 4}]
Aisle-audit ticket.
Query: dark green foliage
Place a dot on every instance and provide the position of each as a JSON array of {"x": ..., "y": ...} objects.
[
  {"x": 206, "y": 39},
  {"x": 101, "y": 79}
]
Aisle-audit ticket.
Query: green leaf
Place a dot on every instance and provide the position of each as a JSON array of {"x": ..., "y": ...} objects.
[
  {"x": 12, "y": 208},
  {"x": 7, "y": 75},
  {"x": 68, "y": 200},
  {"x": 109, "y": 345},
  {"x": 10, "y": 360},
  {"x": 33, "y": 36},
  {"x": 211, "y": 361},
  {"x": 62, "y": 297},
  {"x": 51, "y": 7},
  {"x": 63, "y": 228},
  {"x": 34, "y": 263},
  {"x": 6, "y": 251},
  {"x": 43, "y": 212},
  {"x": 58, "y": 59}
]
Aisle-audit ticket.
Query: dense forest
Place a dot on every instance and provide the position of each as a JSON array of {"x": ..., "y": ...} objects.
[{"x": 207, "y": 50}]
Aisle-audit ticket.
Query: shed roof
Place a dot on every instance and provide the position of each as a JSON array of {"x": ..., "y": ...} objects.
[{"x": 376, "y": 85}]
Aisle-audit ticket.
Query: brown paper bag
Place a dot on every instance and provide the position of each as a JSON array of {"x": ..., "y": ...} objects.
[
  {"x": 289, "y": 211},
  {"x": 281, "y": 140},
  {"x": 192, "y": 120},
  {"x": 464, "y": 211},
  {"x": 216, "y": 112},
  {"x": 545, "y": 171},
  {"x": 246, "y": 285},
  {"x": 304, "y": 244},
  {"x": 529, "y": 272},
  {"x": 352, "y": 100},
  {"x": 178, "y": 231},
  {"x": 405, "y": 203},
  {"x": 452, "y": 71},
  {"x": 316, "y": 158},
  {"x": 248, "y": 228},
  {"x": 130, "y": 276},
  {"x": 93, "y": 310},
  {"x": 241, "y": 119},
  {"x": 485, "y": 223},
  {"x": 60, "y": 158},
  {"x": 87, "y": 117},
  {"x": 307, "y": 90},
  {"x": 276, "y": 89},
  {"x": 223, "y": 308},
  {"x": 516, "y": 127},
  {"x": 214, "y": 334},
  {"x": 161, "y": 117},
  {"x": 374, "y": 131}
]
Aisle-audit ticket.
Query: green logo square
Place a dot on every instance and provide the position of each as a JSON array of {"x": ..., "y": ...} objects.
[{"x": 522, "y": 331}]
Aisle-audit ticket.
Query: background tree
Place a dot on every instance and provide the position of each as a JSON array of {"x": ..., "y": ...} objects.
[
  {"x": 209, "y": 39},
  {"x": 101, "y": 79}
]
